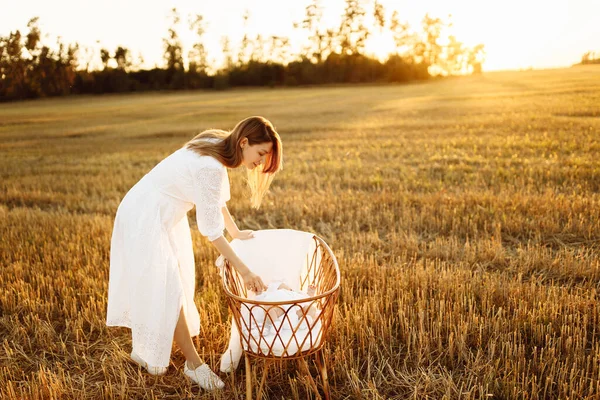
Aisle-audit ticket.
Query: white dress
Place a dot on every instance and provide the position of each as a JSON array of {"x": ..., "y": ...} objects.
[{"x": 152, "y": 269}]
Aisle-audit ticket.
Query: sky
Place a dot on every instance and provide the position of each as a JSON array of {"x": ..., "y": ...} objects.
[{"x": 517, "y": 34}]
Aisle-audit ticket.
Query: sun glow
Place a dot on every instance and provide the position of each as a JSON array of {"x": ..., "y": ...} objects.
[{"x": 380, "y": 45}]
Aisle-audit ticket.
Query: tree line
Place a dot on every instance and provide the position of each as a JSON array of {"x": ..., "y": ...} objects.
[
  {"x": 590, "y": 57},
  {"x": 32, "y": 69}
]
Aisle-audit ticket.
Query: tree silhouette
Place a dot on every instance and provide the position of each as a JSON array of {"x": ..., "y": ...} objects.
[
  {"x": 590, "y": 57},
  {"x": 316, "y": 48},
  {"x": 258, "y": 47},
  {"x": 33, "y": 64},
  {"x": 280, "y": 49},
  {"x": 226, "y": 50},
  {"x": 87, "y": 56},
  {"x": 12, "y": 67},
  {"x": 353, "y": 33},
  {"x": 197, "y": 56},
  {"x": 379, "y": 15},
  {"x": 403, "y": 38},
  {"x": 123, "y": 58},
  {"x": 475, "y": 58},
  {"x": 245, "y": 52},
  {"x": 173, "y": 55},
  {"x": 105, "y": 57},
  {"x": 429, "y": 48},
  {"x": 455, "y": 57},
  {"x": 172, "y": 44},
  {"x": 66, "y": 66}
]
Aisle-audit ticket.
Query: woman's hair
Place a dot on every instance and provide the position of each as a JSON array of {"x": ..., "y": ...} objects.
[{"x": 228, "y": 151}]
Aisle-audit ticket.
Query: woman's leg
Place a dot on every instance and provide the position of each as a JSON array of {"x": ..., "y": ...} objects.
[{"x": 185, "y": 343}]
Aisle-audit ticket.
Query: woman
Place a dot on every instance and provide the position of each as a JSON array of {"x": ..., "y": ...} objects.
[{"x": 151, "y": 283}]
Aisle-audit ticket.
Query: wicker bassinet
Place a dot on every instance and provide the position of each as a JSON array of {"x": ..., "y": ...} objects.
[{"x": 295, "y": 329}]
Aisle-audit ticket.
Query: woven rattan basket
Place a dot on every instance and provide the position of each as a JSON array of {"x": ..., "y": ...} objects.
[{"x": 287, "y": 330}]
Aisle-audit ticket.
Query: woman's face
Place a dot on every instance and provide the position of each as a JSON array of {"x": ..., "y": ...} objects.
[{"x": 255, "y": 155}]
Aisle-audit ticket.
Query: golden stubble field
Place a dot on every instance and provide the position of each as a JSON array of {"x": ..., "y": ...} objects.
[{"x": 464, "y": 214}]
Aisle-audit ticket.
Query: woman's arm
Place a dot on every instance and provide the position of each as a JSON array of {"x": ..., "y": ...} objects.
[
  {"x": 252, "y": 281},
  {"x": 230, "y": 223},
  {"x": 232, "y": 228}
]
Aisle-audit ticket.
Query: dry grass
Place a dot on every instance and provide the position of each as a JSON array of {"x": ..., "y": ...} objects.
[{"x": 465, "y": 215}]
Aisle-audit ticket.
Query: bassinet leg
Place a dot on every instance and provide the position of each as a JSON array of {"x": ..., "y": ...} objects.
[
  {"x": 266, "y": 366},
  {"x": 322, "y": 365},
  {"x": 303, "y": 365},
  {"x": 248, "y": 378}
]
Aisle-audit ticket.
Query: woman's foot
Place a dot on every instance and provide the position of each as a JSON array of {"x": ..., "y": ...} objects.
[
  {"x": 204, "y": 377},
  {"x": 151, "y": 370}
]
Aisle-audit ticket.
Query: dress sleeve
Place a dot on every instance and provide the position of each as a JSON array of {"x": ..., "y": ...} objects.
[{"x": 208, "y": 197}]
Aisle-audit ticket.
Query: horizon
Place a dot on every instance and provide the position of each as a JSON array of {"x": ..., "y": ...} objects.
[{"x": 561, "y": 38}]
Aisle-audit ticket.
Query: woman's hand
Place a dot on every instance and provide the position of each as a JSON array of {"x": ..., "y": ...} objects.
[
  {"x": 243, "y": 235},
  {"x": 253, "y": 282}
]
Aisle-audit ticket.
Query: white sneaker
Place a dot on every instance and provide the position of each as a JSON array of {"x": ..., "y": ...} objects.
[
  {"x": 204, "y": 377},
  {"x": 151, "y": 370}
]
